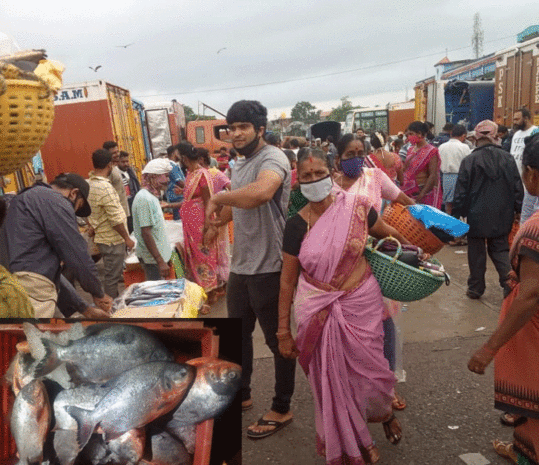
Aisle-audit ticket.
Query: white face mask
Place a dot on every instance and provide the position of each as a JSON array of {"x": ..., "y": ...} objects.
[{"x": 316, "y": 191}]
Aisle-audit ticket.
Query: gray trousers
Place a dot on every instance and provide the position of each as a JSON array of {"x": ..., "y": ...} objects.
[{"x": 113, "y": 260}]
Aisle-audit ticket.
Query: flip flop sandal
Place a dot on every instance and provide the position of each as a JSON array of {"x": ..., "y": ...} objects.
[
  {"x": 505, "y": 450},
  {"x": 393, "y": 438},
  {"x": 279, "y": 425},
  {"x": 244, "y": 408},
  {"x": 509, "y": 419}
]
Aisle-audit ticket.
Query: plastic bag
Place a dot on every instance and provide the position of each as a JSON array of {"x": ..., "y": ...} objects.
[
  {"x": 431, "y": 216},
  {"x": 51, "y": 72},
  {"x": 151, "y": 293}
]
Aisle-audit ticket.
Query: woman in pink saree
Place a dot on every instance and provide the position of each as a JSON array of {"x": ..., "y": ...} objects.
[
  {"x": 422, "y": 168},
  {"x": 353, "y": 176},
  {"x": 200, "y": 257},
  {"x": 219, "y": 182},
  {"x": 338, "y": 310}
]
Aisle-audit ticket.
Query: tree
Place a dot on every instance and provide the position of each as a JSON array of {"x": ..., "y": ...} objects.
[
  {"x": 190, "y": 115},
  {"x": 305, "y": 112},
  {"x": 339, "y": 113}
]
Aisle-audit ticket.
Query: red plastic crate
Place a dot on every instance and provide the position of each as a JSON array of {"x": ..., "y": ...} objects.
[{"x": 196, "y": 341}]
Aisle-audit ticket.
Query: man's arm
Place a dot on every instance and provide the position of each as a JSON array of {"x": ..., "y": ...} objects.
[
  {"x": 70, "y": 302},
  {"x": 63, "y": 235},
  {"x": 148, "y": 239},
  {"x": 461, "y": 191},
  {"x": 253, "y": 195}
]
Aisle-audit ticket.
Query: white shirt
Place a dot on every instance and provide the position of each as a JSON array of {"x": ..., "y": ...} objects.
[
  {"x": 517, "y": 146},
  {"x": 452, "y": 153}
]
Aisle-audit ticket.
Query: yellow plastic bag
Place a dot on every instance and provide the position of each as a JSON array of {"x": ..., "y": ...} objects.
[
  {"x": 193, "y": 300},
  {"x": 51, "y": 72}
]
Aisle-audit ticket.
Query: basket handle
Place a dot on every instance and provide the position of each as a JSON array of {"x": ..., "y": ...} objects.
[{"x": 399, "y": 247}]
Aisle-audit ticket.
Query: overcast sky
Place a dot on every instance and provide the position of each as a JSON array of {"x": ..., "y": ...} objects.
[{"x": 175, "y": 44}]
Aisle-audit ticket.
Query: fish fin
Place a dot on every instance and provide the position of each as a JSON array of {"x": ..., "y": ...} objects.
[
  {"x": 50, "y": 360},
  {"x": 34, "y": 337},
  {"x": 85, "y": 423}
]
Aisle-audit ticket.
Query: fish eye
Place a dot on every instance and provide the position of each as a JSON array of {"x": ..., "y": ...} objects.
[
  {"x": 232, "y": 375},
  {"x": 212, "y": 376}
]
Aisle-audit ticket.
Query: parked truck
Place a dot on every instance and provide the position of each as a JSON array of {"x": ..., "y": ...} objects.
[
  {"x": 457, "y": 102},
  {"x": 210, "y": 134},
  {"x": 517, "y": 81},
  {"x": 166, "y": 125},
  {"x": 86, "y": 115},
  {"x": 391, "y": 119}
]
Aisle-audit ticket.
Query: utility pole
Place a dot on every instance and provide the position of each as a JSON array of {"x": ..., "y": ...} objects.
[{"x": 477, "y": 37}]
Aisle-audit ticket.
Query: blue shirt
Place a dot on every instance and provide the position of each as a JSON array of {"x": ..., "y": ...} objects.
[{"x": 175, "y": 175}]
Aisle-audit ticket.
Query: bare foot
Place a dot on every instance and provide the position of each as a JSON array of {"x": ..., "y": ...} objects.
[
  {"x": 393, "y": 430},
  {"x": 247, "y": 405},
  {"x": 370, "y": 454},
  {"x": 205, "y": 309},
  {"x": 270, "y": 416}
]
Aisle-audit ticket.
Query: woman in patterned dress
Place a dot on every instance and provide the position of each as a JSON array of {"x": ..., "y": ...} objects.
[{"x": 514, "y": 346}]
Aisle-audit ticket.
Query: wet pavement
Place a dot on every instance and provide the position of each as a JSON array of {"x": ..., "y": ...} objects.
[{"x": 450, "y": 410}]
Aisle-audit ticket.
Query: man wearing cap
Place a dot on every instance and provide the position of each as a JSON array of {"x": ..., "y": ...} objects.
[
  {"x": 41, "y": 234},
  {"x": 489, "y": 193},
  {"x": 153, "y": 249}
]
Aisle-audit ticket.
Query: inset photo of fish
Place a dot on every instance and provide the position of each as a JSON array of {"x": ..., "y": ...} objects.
[{"x": 128, "y": 392}]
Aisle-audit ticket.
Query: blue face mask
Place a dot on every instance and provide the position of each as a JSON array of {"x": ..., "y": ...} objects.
[{"x": 352, "y": 167}]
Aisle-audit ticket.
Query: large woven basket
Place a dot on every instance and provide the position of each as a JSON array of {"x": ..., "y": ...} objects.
[
  {"x": 401, "y": 219},
  {"x": 399, "y": 281},
  {"x": 26, "y": 116}
]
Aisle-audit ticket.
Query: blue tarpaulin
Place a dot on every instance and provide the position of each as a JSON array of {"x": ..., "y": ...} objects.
[{"x": 431, "y": 216}]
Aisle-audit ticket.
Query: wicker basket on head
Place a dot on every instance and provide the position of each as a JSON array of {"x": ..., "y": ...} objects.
[
  {"x": 26, "y": 116},
  {"x": 400, "y": 218}
]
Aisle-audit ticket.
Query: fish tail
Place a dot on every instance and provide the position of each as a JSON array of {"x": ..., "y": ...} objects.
[
  {"x": 85, "y": 424},
  {"x": 50, "y": 360}
]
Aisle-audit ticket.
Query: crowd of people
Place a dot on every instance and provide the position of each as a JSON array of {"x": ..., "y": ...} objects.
[{"x": 302, "y": 212}]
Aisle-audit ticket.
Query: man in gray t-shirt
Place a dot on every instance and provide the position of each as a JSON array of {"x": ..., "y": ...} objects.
[{"x": 257, "y": 203}]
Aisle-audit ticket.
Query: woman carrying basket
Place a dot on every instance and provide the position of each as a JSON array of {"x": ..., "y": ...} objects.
[
  {"x": 514, "y": 346},
  {"x": 378, "y": 187},
  {"x": 338, "y": 310}
]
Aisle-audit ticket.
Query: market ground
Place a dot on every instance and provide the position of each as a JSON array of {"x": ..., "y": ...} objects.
[{"x": 450, "y": 410}]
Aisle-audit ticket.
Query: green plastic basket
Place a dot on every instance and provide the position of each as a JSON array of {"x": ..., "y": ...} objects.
[{"x": 399, "y": 281}]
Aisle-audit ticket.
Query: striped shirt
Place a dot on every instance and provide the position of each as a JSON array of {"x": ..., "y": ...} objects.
[{"x": 107, "y": 211}]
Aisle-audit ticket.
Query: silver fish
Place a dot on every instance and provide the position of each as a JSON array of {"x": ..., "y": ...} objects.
[
  {"x": 166, "y": 450},
  {"x": 105, "y": 351},
  {"x": 21, "y": 372},
  {"x": 125, "y": 450},
  {"x": 136, "y": 398},
  {"x": 30, "y": 422},
  {"x": 65, "y": 429},
  {"x": 212, "y": 392}
]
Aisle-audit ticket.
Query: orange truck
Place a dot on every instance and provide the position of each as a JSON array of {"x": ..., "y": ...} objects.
[
  {"x": 86, "y": 115},
  {"x": 209, "y": 134}
]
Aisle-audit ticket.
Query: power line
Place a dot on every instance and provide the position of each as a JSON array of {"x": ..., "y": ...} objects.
[{"x": 284, "y": 81}]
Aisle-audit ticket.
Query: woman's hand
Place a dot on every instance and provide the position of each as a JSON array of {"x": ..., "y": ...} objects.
[
  {"x": 287, "y": 346},
  {"x": 210, "y": 235},
  {"x": 480, "y": 360}
]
